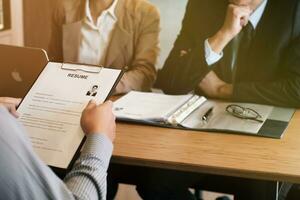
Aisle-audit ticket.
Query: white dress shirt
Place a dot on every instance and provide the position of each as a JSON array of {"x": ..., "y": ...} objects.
[
  {"x": 213, "y": 57},
  {"x": 96, "y": 36}
]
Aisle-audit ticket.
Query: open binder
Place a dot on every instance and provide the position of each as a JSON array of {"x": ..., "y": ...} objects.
[
  {"x": 188, "y": 112},
  {"x": 51, "y": 110}
]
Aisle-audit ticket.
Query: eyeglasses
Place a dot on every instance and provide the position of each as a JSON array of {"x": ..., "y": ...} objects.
[{"x": 244, "y": 113}]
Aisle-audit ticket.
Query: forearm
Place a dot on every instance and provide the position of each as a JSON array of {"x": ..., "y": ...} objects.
[
  {"x": 219, "y": 41},
  {"x": 87, "y": 179}
]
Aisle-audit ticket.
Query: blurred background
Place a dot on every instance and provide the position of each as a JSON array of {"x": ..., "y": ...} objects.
[{"x": 29, "y": 23}]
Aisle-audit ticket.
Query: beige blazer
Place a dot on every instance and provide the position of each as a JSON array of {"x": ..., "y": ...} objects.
[{"x": 134, "y": 43}]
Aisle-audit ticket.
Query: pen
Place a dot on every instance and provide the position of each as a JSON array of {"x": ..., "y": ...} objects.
[{"x": 207, "y": 114}]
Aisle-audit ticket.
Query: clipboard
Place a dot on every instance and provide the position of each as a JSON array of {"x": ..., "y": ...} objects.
[
  {"x": 73, "y": 67},
  {"x": 62, "y": 172}
]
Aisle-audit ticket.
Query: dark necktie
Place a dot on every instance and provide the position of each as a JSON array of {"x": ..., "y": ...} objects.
[{"x": 240, "y": 48}]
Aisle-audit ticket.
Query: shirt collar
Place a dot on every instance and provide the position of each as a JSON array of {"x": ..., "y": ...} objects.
[
  {"x": 257, "y": 14},
  {"x": 110, "y": 10}
]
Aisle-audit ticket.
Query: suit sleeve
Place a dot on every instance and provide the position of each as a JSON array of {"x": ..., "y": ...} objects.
[
  {"x": 186, "y": 64},
  {"x": 142, "y": 73},
  {"x": 281, "y": 92}
]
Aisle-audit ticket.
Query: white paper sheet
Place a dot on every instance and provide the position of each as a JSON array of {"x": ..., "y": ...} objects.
[
  {"x": 52, "y": 109},
  {"x": 148, "y": 106}
]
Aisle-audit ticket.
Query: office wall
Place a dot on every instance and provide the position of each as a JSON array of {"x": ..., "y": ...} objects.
[
  {"x": 37, "y": 21},
  {"x": 172, "y": 12},
  {"x": 13, "y": 35}
]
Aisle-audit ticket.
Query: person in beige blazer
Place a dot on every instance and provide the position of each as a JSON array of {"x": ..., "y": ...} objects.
[{"x": 127, "y": 32}]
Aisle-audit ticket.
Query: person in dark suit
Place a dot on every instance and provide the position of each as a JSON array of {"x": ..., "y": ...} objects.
[{"x": 240, "y": 50}]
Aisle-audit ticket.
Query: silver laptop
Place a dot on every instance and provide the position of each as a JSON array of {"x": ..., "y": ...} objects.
[{"x": 19, "y": 68}]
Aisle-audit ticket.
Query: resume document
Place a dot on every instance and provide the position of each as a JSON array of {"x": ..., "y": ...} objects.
[{"x": 52, "y": 108}]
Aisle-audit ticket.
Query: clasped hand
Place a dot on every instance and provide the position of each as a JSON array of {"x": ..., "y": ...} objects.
[{"x": 237, "y": 17}]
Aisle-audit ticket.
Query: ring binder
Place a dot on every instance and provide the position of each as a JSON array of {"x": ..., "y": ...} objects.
[{"x": 186, "y": 109}]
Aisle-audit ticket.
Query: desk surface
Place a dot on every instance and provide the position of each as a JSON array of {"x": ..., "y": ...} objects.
[{"x": 212, "y": 153}]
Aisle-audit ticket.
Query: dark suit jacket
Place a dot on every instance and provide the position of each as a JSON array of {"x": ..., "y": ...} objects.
[{"x": 270, "y": 74}]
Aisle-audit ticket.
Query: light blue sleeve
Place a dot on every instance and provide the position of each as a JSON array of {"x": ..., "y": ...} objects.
[
  {"x": 24, "y": 176},
  {"x": 87, "y": 180},
  {"x": 211, "y": 56}
]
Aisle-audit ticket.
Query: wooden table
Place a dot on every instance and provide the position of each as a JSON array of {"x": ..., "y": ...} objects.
[{"x": 212, "y": 153}]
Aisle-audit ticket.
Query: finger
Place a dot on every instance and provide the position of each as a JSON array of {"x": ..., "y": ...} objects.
[
  {"x": 15, "y": 101},
  {"x": 10, "y": 100},
  {"x": 108, "y": 104},
  {"x": 244, "y": 21},
  {"x": 238, "y": 9},
  {"x": 245, "y": 8},
  {"x": 15, "y": 114},
  {"x": 13, "y": 111},
  {"x": 92, "y": 103},
  {"x": 245, "y": 12}
]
